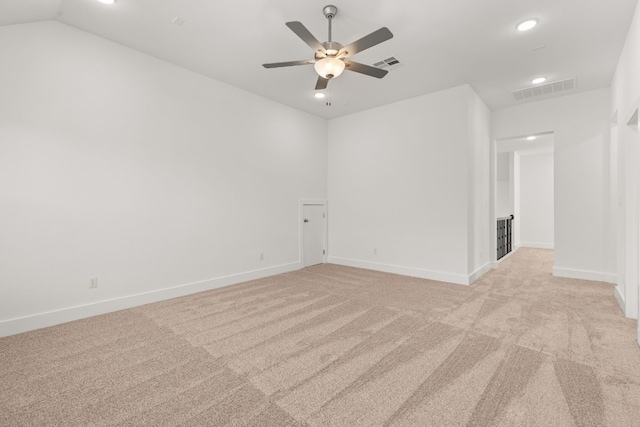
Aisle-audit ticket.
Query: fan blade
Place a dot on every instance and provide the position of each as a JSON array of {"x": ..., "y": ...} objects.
[
  {"x": 321, "y": 83},
  {"x": 290, "y": 63},
  {"x": 365, "y": 69},
  {"x": 377, "y": 37},
  {"x": 302, "y": 32}
]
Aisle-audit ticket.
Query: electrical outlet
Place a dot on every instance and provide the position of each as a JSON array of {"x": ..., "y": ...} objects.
[
  {"x": 93, "y": 282},
  {"x": 261, "y": 256},
  {"x": 375, "y": 251}
]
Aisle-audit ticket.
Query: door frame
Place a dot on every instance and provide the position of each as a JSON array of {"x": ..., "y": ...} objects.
[
  {"x": 301, "y": 206},
  {"x": 513, "y": 189}
]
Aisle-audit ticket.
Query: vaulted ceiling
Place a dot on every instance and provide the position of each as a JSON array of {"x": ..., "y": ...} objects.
[{"x": 440, "y": 44}]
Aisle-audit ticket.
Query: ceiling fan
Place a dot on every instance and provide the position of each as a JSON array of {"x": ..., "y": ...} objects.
[{"x": 330, "y": 57}]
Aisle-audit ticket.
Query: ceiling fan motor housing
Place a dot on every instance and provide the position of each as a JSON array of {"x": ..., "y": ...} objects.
[{"x": 330, "y": 48}]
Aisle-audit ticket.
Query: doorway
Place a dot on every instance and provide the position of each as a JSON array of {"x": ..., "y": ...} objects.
[
  {"x": 524, "y": 189},
  {"x": 314, "y": 233}
]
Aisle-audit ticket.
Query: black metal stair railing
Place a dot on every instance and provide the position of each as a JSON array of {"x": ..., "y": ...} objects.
[{"x": 504, "y": 239}]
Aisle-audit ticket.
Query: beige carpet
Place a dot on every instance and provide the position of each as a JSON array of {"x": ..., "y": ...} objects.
[{"x": 338, "y": 346}]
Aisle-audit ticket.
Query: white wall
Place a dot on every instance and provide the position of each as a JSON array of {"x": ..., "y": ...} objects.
[
  {"x": 612, "y": 214},
  {"x": 503, "y": 206},
  {"x": 503, "y": 179},
  {"x": 399, "y": 186},
  {"x": 580, "y": 123},
  {"x": 118, "y": 165},
  {"x": 536, "y": 200},
  {"x": 516, "y": 199},
  {"x": 478, "y": 183},
  {"x": 625, "y": 102}
]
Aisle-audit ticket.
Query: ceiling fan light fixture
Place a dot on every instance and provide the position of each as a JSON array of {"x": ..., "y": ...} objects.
[{"x": 329, "y": 67}]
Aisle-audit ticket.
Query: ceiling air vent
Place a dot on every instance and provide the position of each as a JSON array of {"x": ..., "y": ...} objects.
[
  {"x": 544, "y": 89},
  {"x": 388, "y": 64}
]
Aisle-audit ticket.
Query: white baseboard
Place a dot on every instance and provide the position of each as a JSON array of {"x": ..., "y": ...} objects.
[
  {"x": 620, "y": 299},
  {"x": 595, "y": 276},
  {"x": 458, "y": 279},
  {"x": 479, "y": 273},
  {"x": 41, "y": 320},
  {"x": 495, "y": 264},
  {"x": 536, "y": 245}
]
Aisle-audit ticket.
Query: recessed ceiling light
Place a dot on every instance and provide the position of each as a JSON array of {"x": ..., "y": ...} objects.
[
  {"x": 531, "y": 138},
  {"x": 539, "y": 80},
  {"x": 107, "y": 1},
  {"x": 319, "y": 95},
  {"x": 527, "y": 25}
]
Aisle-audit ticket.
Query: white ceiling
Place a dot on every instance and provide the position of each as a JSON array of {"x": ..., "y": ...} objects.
[{"x": 441, "y": 44}]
